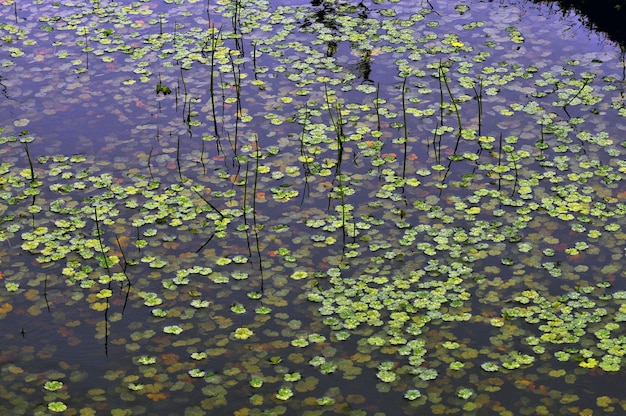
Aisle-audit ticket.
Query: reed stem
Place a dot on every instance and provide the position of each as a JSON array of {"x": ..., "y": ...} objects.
[
  {"x": 30, "y": 163},
  {"x": 99, "y": 234},
  {"x": 452, "y": 100},
  {"x": 406, "y": 129}
]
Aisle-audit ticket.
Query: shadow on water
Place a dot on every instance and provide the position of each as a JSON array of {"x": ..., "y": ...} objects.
[
  {"x": 327, "y": 13},
  {"x": 603, "y": 16}
]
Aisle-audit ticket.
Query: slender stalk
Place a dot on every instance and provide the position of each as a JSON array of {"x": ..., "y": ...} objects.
[
  {"x": 245, "y": 207},
  {"x": 499, "y": 162},
  {"x": 340, "y": 135},
  {"x": 500, "y": 151},
  {"x": 209, "y": 203},
  {"x": 330, "y": 113},
  {"x": 86, "y": 49},
  {"x": 258, "y": 251},
  {"x": 176, "y": 92},
  {"x": 541, "y": 145},
  {"x": 106, "y": 327},
  {"x": 454, "y": 104},
  {"x": 305, "y": 122},
  {"x": 45, "y": 292},
  {"x": 175, "y": 39},
  {"x": 214, "y": 42},
  {"x": 237, "y": 82},
  {"x": 338, "y": 127},
  {"x": 119, "y": 245},
  {"x": 441, "y": 118},
  {"x": 377, "y": 107},
  {"x": 186, "y": 102},
  {"x": 30, "y": 163},
  {"x": 235, "y": 16},
  {"x": 150, "y": 162},
  {"x": 245, "y": 193},
  {"x": 479, "y": 99},
  {"x": 205, "y": 243},
  {"x": 406, "y": 129},
  {"x": 587, "y": 81},
  {"x": 254, "y": 196},
  {"x": 436, "y": 149},
  {"x": 180, "y": 174},
  {"x": 202, "y": 154},
  {"x": 513, "y": 158},
  {"x": 99, "y": 234},
  {"x": 254, "y": 57},
  {"x": 138, "y": 237},
  {"x": 256, "y": 176},
  {"x": 441, "y": 123},
  {"x": 126, "y": 298}
]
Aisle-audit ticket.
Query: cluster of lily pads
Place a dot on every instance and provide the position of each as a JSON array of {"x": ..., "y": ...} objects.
[{"x": 349, "y": 189}]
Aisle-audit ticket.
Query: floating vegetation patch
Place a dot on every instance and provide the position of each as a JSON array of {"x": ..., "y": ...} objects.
[{"x": 247, "y": 207}]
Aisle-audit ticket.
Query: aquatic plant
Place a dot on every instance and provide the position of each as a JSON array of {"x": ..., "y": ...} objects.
[{"x": 278, "y": 208}]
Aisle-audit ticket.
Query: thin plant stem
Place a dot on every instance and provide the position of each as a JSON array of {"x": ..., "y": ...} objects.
[
  {"x": 305, "y": 122},
  {"x": 406, "y": 129},
  {"x": 186, "y": 103},
  {"x": 479, "y": 99},
  {"x": 86, "y": 49},
  {"x": 99, "y": 234},
  {"x": 254, "y": 58},
  {"x": 138, "y": 237},
  {"x": 514, "y": 159},
  {"x": 214, "y": 42},
  {"x": 254, "y": 196},
  {"x": 340, "y": 135},
  {"x": 180, "y": 174},
  {"x": 245, "y": 193},
  {"x": 377, "y": 106},
  {"x": 150, "y": 162},
  {"x": 436, "y": 149},
  {"x": 587, "y": 81},
  {"x": 441, "y": 123},
  {"x": 237, "y": 82},
  {"x": 499, "y": 161},
  {"x": 206, "y": 243},
  {"x": 330, "y": 113},
  {"x": 209, "y": 203},
  {"x": 454, "y": 104},
  {"x": 30, "y": 163},
  {"x": 500, "y": 151},
  {"x": 119, "y": 245},
  {"x": 256, "y": 176}
]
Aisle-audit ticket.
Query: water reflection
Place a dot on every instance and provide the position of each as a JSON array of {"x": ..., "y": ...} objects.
[
  {"x": 4, "y": 88},
  {"x": 604, "y": 16},
  {"x": 326, "y": 13},
  {"x": 345, "y": 169}
]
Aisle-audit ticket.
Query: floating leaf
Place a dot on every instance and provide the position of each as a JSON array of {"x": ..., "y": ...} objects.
[
  {"x": 243, "y": 333},
  {"x": 57, "y": 407}
]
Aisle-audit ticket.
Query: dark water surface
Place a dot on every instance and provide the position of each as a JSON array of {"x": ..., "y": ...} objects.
[{"x": 307, "y": 208}]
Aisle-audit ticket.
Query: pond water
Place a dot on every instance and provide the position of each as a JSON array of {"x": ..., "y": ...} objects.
[{"x": 326, "y": 207}]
